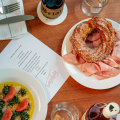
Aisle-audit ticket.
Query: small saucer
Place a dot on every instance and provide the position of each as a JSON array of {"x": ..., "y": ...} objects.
[{"x": 55, "y": 21}]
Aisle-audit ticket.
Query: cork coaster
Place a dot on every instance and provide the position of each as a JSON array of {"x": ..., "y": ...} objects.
[{"x": 55, "y": 21}]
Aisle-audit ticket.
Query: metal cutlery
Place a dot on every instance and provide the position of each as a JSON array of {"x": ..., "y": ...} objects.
[
  {"x": 9, "y": 8},
  {"x": 15, "y": 19}
]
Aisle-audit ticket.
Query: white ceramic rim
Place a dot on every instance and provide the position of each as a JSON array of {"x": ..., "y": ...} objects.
[
  {"x": 40, "y": 100},
  {"x": 90, "y": 82}
]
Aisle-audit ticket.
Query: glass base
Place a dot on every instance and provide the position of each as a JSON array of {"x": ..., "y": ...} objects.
[{"x": 88, "y": 13}]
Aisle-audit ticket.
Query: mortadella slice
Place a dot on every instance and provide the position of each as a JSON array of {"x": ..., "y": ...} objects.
[
  {"x": 89, "y": 68},
  {"x": 70, "y": 58}
]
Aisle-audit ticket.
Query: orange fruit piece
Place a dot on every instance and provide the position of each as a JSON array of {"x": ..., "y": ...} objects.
[
  {"x": 23, "y": 105},
  {"x": 10, "y": 94},
  {"x": 7, "y": 114}
]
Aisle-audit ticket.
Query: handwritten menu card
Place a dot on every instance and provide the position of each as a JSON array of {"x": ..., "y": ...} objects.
[{"x": 31, "y": 55}]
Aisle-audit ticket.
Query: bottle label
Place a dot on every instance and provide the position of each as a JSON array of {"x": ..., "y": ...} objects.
[{"x": 51, "y": 13}]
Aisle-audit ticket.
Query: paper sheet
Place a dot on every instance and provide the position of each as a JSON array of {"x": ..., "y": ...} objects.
[{"x": 32, "y": 56}]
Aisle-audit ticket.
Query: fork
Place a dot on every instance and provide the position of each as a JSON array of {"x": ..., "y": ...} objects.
[{"x": 9, "y": 8}]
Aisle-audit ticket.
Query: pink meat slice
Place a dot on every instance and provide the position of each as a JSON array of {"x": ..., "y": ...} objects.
[
  {"x": 70, "y": 58},
  {"x": 117, "y": 34},
  {"x": 95, "y": 36},
  {"x": 106, "y": 74},
  {"x": 117, "y": 44},
  {"x": 111, "y": 62},
  {"x": 93, "y": 40},
  {"x": 105, "y": 67},
  {"x": 106, "y": 71},
  {"x": 117, "y": 60},
  {"x": 80, "y": 60},
  {"x": 89, "y": 68},
  {"x": 116, "y": 51},
  {"x": 89, "y": 44},
  {"x": 96, "y": 43}
]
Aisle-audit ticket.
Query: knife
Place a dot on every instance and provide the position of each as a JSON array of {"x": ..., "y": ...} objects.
[{"x": 15, "y": 19}]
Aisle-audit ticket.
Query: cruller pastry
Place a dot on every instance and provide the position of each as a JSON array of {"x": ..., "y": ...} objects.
[{"x": 83, "y": 30}]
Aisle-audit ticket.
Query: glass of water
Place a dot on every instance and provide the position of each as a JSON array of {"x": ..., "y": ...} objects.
[
  {"x": 93, "y": 7},
  {"x": 65, "y": 111}
]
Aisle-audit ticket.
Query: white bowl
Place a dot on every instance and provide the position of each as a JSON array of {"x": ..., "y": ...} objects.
[{"x": 40, "y": 100}]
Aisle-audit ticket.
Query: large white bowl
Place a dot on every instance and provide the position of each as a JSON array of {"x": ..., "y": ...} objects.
[{"x": 40, "y": 101}]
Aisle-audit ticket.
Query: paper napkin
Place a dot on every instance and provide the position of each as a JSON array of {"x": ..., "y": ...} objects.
[{"x": 10, "y": 31}]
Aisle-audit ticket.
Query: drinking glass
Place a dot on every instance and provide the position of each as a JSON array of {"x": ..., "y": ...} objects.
[
  {"x": 93, "y": 7},
  {"x": 65, "y": 111}
]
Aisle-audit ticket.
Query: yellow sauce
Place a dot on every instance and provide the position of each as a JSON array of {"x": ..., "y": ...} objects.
[{"x": 28, "y": 95}]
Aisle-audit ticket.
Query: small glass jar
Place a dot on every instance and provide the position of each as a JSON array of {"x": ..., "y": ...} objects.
[{"x": 65, "y": 111}]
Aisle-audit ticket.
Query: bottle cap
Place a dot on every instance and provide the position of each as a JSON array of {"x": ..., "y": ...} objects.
[{"x": 111, "y": 110}]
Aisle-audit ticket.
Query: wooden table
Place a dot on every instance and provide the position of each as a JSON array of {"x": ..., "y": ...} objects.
[{"x": 53, "y": 37}]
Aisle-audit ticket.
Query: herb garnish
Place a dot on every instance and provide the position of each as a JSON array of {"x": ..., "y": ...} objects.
[
  {"x": 1, "y": 114},
  {"x": 15, "y": 114},
  {"x": 15, "y": 100},
  {"x": 28, "y": 108},
  {"x": 2, "y": 104},
  {"x": 6, "y": 89},
  {"x": 24, "y": 116},
  {"x": 22, "y": 92}
]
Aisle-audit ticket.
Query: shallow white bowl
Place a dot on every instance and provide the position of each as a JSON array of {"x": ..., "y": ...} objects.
[{"x": 40, "y": 101}]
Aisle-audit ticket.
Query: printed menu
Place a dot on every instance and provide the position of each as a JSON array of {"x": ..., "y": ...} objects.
[{"x": 31, "y": 55}]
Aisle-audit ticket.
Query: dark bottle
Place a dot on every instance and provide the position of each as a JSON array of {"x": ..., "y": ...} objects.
[{"x": 52, "y": 8}]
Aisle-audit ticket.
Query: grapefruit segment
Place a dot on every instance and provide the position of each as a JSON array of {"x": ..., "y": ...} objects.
[
  {"x": 7, "y": 114},
  {"x": 23, "y": 105},
  {"x": 10, "y": 94}
]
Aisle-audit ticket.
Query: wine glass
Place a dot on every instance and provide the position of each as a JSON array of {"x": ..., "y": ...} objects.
[{"x": 93, "y": 7}]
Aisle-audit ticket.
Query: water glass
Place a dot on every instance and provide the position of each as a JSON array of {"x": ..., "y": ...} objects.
[
  {"x": 65, "y": 111},
  {"x": 93, "y": 7}
]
